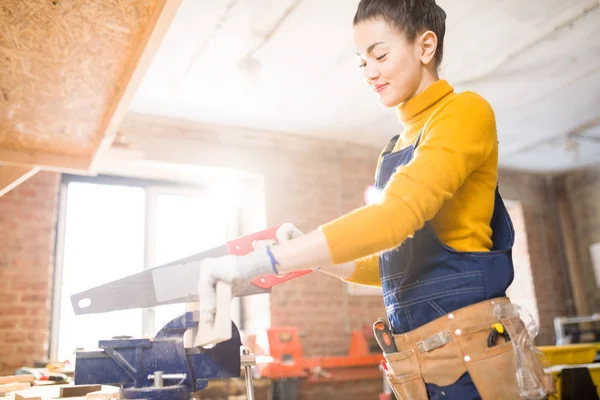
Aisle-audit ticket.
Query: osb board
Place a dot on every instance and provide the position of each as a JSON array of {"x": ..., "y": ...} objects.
[{"x": 63, "y": 66}]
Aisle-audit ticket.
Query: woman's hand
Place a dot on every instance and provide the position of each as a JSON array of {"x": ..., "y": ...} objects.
[{"x": 237, "y": 271}]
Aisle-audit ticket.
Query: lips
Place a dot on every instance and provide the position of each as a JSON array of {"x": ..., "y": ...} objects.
[{"x": 379, "y": 88}]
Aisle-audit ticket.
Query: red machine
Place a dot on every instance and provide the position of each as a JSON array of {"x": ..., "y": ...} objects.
[{"x": 289, "y": 360}]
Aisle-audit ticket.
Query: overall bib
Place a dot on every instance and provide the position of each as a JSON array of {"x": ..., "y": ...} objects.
[{"x": 424, "y": 280}]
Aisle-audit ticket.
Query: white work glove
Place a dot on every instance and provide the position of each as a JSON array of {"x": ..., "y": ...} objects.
[
  {"x": 237, "y": 271},
  {"x": 286, "y": 232}
]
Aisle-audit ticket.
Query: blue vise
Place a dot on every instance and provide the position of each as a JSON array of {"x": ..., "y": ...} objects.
[{"x": 162, "y": 368}]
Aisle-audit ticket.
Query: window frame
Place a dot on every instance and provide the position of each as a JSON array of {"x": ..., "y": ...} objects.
[{"x": 152, "y": 189}]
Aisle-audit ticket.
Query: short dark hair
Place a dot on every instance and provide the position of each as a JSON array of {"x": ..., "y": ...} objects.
[{"x": 408, "y": 16}]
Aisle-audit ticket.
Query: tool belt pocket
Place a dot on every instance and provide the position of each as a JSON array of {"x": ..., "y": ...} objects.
[
  {"x": 404, "y": 375},
  {"x": 493, "y": 372},
  {"x": 408, "y": 387}
]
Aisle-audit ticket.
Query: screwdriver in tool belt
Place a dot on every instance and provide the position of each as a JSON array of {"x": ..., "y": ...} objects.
[{"x": 384, "y": 337}]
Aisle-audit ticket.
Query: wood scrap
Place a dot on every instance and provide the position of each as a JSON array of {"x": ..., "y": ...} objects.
[
  {"x": 16, "y": 379},
  {"x": 53, "y": 392},
  {"x": 79, "y": 390},
  {"x": 103, "y": 395},
  {"x": 11, "y": 387},
  {"x": 21, "y": 397}
]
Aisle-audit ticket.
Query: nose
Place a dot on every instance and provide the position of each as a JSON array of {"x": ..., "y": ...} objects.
[{"x": 371, "y": 72}]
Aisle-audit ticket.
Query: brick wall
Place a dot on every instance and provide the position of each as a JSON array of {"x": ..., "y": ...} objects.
[
  {"x": 583, "y": 191},
  {"x": 27, "y": 226}
]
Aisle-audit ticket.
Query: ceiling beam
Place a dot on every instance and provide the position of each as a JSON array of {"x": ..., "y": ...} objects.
[
  {"x": 13, "y": 176},
  {"x": 134, "y": 73},
  {"x": 45, "y": 161}
]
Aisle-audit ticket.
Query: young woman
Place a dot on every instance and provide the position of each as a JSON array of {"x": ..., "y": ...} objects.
[{"x": 438, "y": 240}]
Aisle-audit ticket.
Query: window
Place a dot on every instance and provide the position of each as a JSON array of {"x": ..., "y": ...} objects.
[
  {"x": 109, "y": 229},
  {"x": 522, "y": 290}
]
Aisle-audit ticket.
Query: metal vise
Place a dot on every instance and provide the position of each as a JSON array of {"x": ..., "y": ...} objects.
[{"x": 162, "y": 368}]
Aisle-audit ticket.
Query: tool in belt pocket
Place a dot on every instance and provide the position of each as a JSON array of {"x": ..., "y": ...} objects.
[
  {"x": 384, "y": 336},
  {"x": 497, "y": 329}
]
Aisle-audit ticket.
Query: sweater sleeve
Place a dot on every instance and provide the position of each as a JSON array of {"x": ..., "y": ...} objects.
[
  {"x": 366, "y": 271},
  {"x": 459, "y": 137}
]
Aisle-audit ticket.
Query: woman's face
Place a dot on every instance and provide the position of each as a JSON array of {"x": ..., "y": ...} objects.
[{"x": 392, "y": 65}]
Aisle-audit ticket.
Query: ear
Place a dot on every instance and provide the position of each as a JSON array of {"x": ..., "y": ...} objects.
[{"x": 427, "y": 46}]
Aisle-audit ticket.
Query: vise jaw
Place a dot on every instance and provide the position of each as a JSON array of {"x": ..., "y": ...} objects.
[{"x": 161, "y": 368}]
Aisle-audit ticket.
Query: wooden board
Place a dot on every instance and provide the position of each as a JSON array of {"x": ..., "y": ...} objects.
[
  {"x": 11, "y": 387},
  {"x": 55, "y": 391},
  {"x": 68, "y": 70},
  {"x": 12, "y": 176},
  {"x": 16, "y": 379},
  {"x": 78, "y": 390}
]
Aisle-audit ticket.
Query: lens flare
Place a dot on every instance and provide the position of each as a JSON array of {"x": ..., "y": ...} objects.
[{"x": 372, "y": 195}]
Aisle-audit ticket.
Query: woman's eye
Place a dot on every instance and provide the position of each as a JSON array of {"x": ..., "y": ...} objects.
[
  {"x": 362, "y": 65},
  {"x": 381, "y": 57}
]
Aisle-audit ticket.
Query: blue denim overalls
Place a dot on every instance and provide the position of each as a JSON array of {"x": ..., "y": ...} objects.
[{"x": 423, "y": 279}]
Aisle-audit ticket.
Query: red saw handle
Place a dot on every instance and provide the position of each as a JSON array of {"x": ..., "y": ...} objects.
[{"x": 244, "y": 245}]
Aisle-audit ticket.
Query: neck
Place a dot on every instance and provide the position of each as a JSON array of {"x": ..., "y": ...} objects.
[
  {"x": 430, "y": 92},
  {"x": 428, "y": 78}
]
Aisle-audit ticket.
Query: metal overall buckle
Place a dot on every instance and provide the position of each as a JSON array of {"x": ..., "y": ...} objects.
[{"x": 435, "y": 341}]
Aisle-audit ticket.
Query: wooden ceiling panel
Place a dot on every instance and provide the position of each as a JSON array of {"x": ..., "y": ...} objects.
[
  {"x": 62, "y": 64},
  {"x": 68, "y": 69}
]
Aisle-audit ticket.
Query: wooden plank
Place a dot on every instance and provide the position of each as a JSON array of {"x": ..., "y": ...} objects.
[
  {"x": 20, "y": 397},
  {"x": 11, "y": 387},
  {"x": 45, "y": 161},
  {"x": 16, "y": 379},
  {"x": 78, "y": 390},
  {"x": 11, "y": 177},
  {"x": 53, "y": 392},
  {"x": 138, "y": 65}
]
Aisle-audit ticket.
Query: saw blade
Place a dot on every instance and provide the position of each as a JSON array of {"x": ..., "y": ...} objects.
[{"x": 175, "y": 282}]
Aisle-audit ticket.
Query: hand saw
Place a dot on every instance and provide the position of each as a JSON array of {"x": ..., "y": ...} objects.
[{"x": 175, "y": 282}]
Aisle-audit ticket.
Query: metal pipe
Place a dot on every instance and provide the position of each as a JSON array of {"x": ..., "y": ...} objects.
[
  {"x": 166, "y": 376},
  {"x": 577, "y": 320},
  {"x": 248, "y": 361}
]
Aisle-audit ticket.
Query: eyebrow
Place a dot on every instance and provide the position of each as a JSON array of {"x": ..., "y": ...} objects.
[{"x": 371, "y": 47}]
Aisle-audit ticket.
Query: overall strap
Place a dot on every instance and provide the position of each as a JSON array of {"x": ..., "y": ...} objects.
[{"x": 391, "y": 144}]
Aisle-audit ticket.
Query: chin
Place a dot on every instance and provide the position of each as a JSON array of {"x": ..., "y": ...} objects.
[
  {"x": 391, "y": 99},
  {"x": 389, "y": 102}
]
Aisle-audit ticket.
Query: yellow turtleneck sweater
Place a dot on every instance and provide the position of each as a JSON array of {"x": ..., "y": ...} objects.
[{"x": 450, "y": 182}]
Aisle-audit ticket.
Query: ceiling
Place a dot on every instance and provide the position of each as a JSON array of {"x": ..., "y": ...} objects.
[
  {"x": 288, "y": 66},
  {"x": 68, "y": 70}
]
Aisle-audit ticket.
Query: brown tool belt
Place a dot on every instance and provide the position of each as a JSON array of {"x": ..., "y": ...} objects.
[{"x": 441, "y": 351}]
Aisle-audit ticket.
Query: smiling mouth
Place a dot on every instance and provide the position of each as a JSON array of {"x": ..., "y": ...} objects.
[{"x": 379, "y": 88}]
